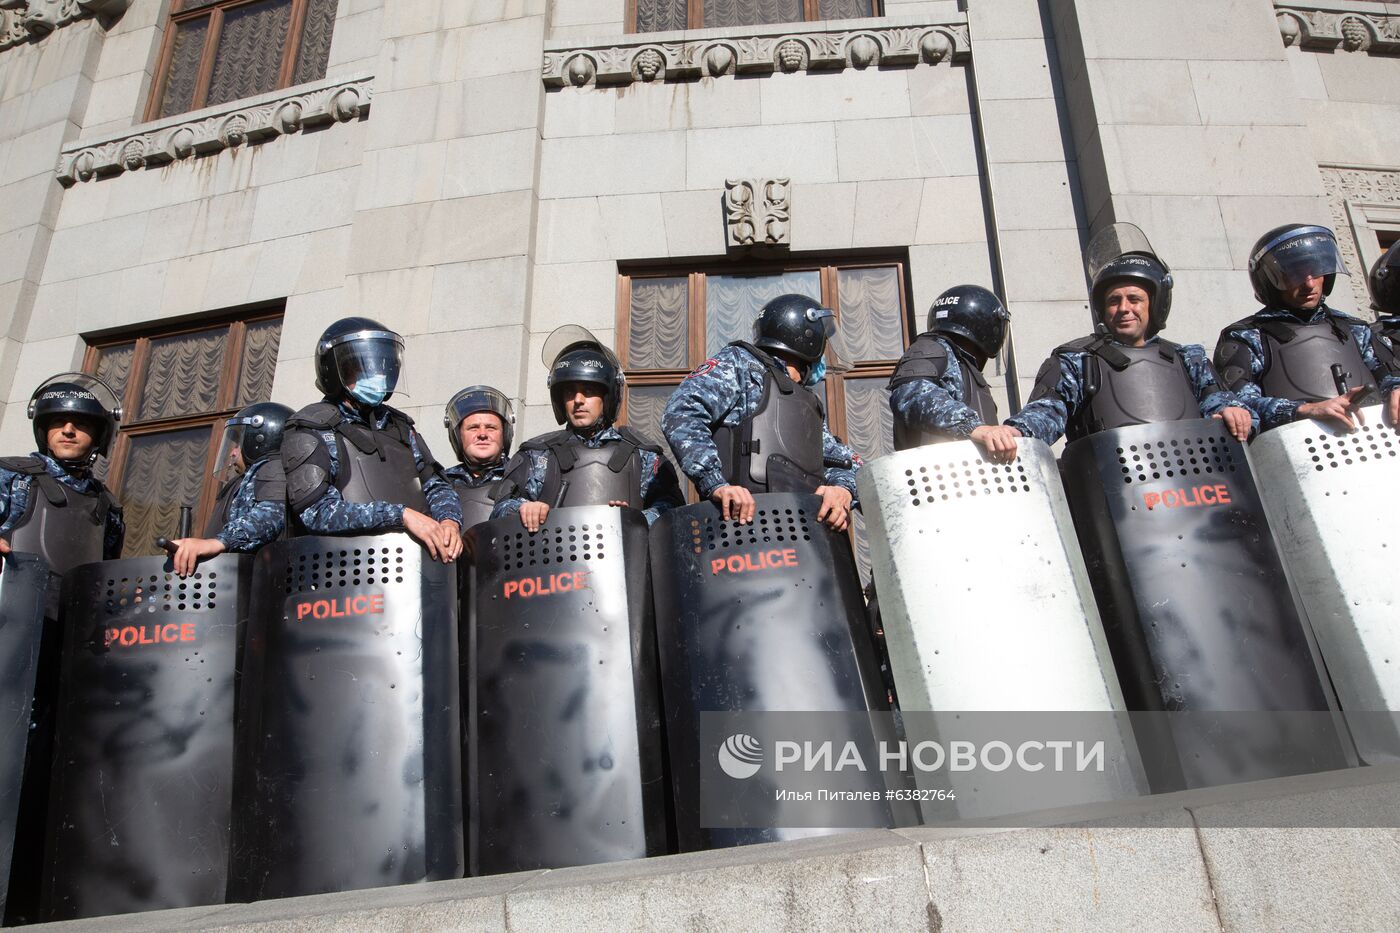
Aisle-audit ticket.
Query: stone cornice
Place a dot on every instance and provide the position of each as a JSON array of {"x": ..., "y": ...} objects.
[
  {"x": 25, "y": 20},
  {"x": 711, "y": 53},
  {"x": 214, "y": 129},
  {"x": 1354, "y": 27}
]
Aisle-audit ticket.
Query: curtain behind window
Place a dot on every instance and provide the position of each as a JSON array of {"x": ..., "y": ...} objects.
[
  {"x": 250, "y": 51},
  {"x": 183, "y": 376},
  {"x": 732, "y": 302},
  {"x": 171, "y": 468}
]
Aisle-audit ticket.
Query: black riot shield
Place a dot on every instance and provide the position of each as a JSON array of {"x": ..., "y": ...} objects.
[
  {"x": 565, "y": 751},
  {"x": 28, "y": 680},
  {"x": 348, "y": 772},
  {"x": 762, "y": 617},
  {"x": 143, "y": 750},
  {"x": 1196, "y": 605}
]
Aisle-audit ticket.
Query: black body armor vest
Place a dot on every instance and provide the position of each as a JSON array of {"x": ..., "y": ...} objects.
[
  {"x": 375, "y": 465},
  {"x": 927, "y": 353},
  {"x": 63, "y": 526},
  {"x": 779, "y": 447},
  {"x": 269, "y": 485},
  {"x": 1132, "y": 385},
  {"x": 580, "y": 475},
  {"x": 477, "y": 501},
  {"x": 1301, "y": 356}
]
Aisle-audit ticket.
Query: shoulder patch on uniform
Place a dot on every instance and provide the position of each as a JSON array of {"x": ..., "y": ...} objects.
[{"x": 704, "y": 368}]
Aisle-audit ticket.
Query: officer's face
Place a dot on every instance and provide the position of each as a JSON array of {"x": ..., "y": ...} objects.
[
  {"x": 583, "y": 403},
  {"x": 235, "y": 461},
  {"x": 71, "y": 438},
  {"x": 1307, "y": 294},
  {"x": 482, "y": 437},
  {"x": 1125, "y": 314}
]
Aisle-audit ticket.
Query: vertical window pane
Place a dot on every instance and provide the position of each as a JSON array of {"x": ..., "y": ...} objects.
[
  {"x": 260, "y": 344},
  {"x": 657, "y": 324},
  {"x": 163, "y": 472},
  {"x": 315, "y": 41},
  {"x": 644, "y": 407},
  {"x": 114, "y": 366},
  {"x": 844, "y": 9},
  {"x": 732, "y": 302},
  {"x": 870, "y": 313},
  {"x": 870, "y": 428},
  {"x": 250, "y": 50},
  {"x": 660, "y": 15},
  {"x": 185, "y": 54},
  {"x": 750, "y": 12},
  {"x": 182, "y": 377}
]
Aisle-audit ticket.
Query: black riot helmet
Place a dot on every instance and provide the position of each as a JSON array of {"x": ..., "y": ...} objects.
[
  {"x": 794, "y": 324},
  {"x": 1120, "y": 254},
  {"x": 356, "y": 352},
  {"x": 76, "y": 395},
  {"x": 1285, "y": 256},
  {"x": 475, "y": 399},
  {"x": 972, "y": 313},
  {"x": 573, "y": 354},
  {"x": 1385, "y": 281},
  {"x": 255, "y": 432}
]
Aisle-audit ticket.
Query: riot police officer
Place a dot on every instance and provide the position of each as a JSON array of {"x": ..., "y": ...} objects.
[
  {"x": 50, "y": 503},
  {"x": 1385, "y": 294},
  {"x": 591, "y": 461},
  {"x": 1126, "y": 373},
  {"x": 748, "y": 420},
  {"x": 1296, "y": 357},
  {"x": 937, "y": 392},
  {"x": 354, "y": 465},
  {"x": 251, "y": 507},
  {"x": 480, "y": 426}
]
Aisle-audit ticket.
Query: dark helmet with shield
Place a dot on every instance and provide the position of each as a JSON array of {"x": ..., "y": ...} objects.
[
  {"x": 359, "y": 358},
  {"x": 573, "y": 354},
  {"x": 472, "y": 400},
  {"x": 1286, "y": 256},
  {"x": 1385, "y": 281},
  {"x": 972, "y": 313},
  {"x": 1120, "y": 254},
  {"x": 76, "y": 395},
  {"x": 255, "y": 432}
]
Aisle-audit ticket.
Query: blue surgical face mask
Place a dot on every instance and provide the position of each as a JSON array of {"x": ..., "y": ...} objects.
[
  {"x": 815, "y": 373},
  {"x": 371, "y": 390}
]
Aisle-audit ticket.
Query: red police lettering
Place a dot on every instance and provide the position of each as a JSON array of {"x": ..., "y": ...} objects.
[
  {"x": 1218, "y": 494},
  {"x": 157, "y": 633},
  {"x": 527, "y": 587},
  {"x": 756, "y": 560},
  {"x": 342, "y": 607}
]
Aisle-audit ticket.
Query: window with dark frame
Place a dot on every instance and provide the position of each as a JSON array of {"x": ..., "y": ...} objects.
[
  {"x": 667, "y": 15},
  {"x": 178, "y": 385},
  {"x": 669, "y": 322},
  {"x": 216, "y": 51},
  {"x": 1387, "y": 238}
]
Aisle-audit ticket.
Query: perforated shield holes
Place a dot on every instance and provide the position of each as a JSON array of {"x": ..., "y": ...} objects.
[
  {"x": 161, "y": 592},
  {"x": 965, "y": 479},
  {"x": 1373, "y": 442},
  {"x": 345, "y": 567},
  {"x": 1156, "y": 460},
  {"x": 557, "y": 544},
  {"x": 770, "y": 526}
]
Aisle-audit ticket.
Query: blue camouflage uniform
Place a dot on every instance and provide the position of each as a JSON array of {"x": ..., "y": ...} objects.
[
  {"x": 1048, "y": 414},
  {"x": 726, "y": 390},
  {"x": 660, "y": 490},
  {"x": 331, "y": 514},
  {"x": 15, "y": 489},
  {"x": 1274, "y": 412},
  {"x": 936, "y": 405},
  {"x": 463, "y": 474},
  {"x": 252, "y": 522}
]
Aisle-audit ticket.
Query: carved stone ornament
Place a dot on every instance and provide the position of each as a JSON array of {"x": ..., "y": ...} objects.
[
  {"x": 757, "y": 213},
  {"x": 251, "y": 120},
  {"x": 1347, "y": 186},
  {"x": 28, "y": 20},
  {"x": 712, "y": 53},
  {"x": 1337, "y": 26}
]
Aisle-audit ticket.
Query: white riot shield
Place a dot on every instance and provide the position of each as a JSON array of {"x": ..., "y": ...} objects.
[
  {"x": 1329, "y": 495},
  {"x": 986, "y": 603}
]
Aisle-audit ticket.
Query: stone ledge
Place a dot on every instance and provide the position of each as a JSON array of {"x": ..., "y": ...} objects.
[
  {"x": 691, "y": 54},
  {"x": 25, "y": 20},
  {"x": 213, "y": 129},
  {"x": 1353, "y": 26}
]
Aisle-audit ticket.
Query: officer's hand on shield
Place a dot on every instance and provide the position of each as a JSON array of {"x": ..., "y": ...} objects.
[
  {"x": 1392, "y": 409},
  {"x": 186, "y": 553},
  {"x": 533, "y": 514},
  {"x": 1337, "y": 411},
  {"x": 450, "y": 537},
  {"x": 1237, "y": 422},
  {"x": 998, "y": 440},
  {"x": 836, "y": 507},
  {"x": 426, "y": 531},
  {"x": 4, "y": 547},
  {"x": 735, "y": 503}
]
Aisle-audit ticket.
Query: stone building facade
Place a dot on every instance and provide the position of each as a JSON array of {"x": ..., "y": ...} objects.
[{"x": 475, "y": 173}]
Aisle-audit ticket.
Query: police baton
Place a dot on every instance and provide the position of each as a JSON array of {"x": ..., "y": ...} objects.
[{"x": 183, "y": 530}]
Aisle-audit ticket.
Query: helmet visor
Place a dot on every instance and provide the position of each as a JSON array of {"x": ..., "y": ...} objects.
[
  {"x": 1113, "y": 242},
  {"x": 99, "y": 390},
  {"x": 229, "y": 462},
  {"x": 1307, "y": 253},
  {"x": 371, "y": 356},
  {"x": 473, "y": 399}
]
